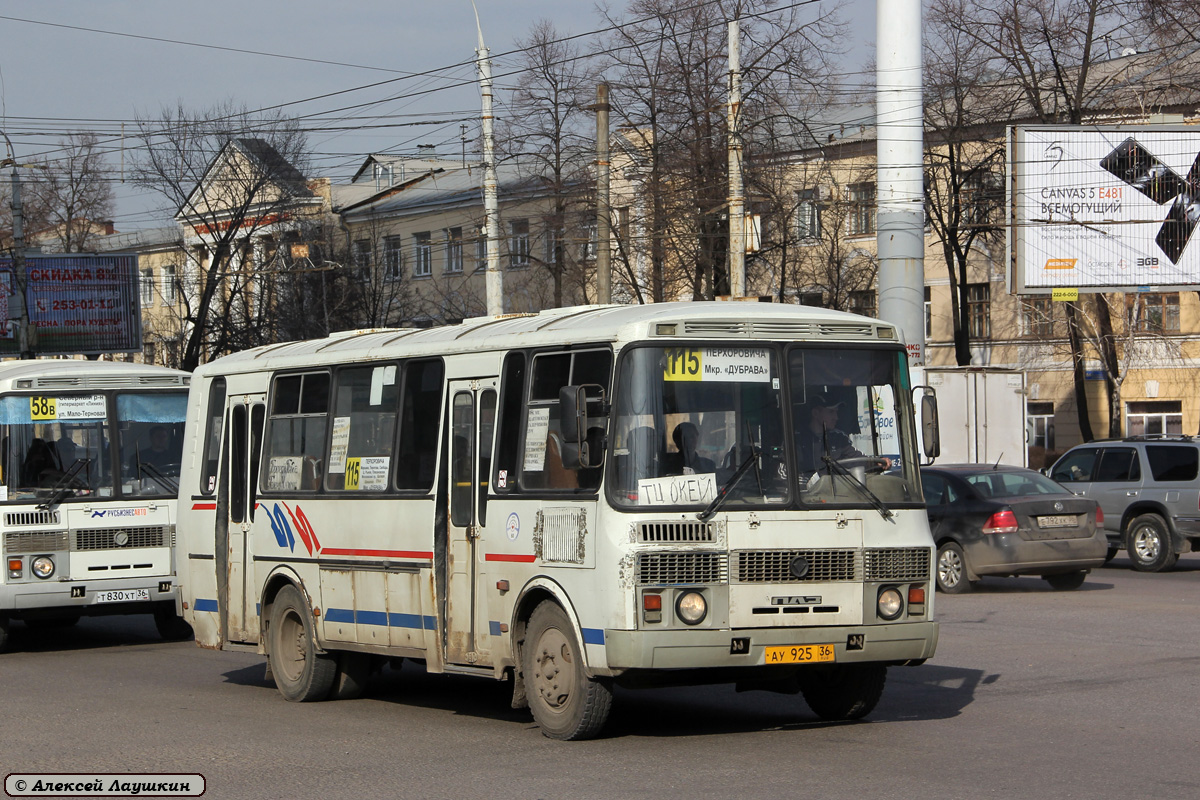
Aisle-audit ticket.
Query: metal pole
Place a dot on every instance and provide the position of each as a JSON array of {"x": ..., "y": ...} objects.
[
  {"x": 19, "y": 277},
  {"x": 603, "y": 220},
  {"x": 494, "y": 278},
  {"x": 737, "y": 199},
  {"x": 899, "y": 148}
]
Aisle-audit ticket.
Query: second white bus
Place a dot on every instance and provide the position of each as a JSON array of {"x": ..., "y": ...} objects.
[{"x": 572, "y": 500}]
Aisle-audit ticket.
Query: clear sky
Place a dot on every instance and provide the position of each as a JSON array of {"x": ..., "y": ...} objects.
[{"x": 351, "y": 64}]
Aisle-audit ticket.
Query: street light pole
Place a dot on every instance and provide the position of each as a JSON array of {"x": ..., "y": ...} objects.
[{"x": 19, "y": 278}]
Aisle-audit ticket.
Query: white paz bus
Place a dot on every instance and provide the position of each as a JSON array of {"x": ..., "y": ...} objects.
[
  {"x": 577, "y": 499},
  {"x": 89, "y": 475}
]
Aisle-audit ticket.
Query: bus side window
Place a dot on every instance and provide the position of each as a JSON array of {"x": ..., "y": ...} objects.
[
  {"x": 212, "y": 441},
  {"x": 512, "y": 395},
  {"x": 420, "y": 412},
  {"x": 296, "y": 439}
]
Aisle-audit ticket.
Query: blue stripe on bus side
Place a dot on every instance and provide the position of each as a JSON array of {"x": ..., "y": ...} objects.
[
  {"x": 494, "y": 628},
  {"x": 593, "y": 636},
  {"x": 381, "y": 618},
  {"x": 339, "y": 615},
  {"x": 204, "y": 605}
]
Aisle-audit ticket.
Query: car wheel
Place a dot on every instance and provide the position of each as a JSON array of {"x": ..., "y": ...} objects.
[
  {"x": 843, "y": 692},
  {"x": 301, "y": 673},
  {"x": 1150, "y": 547},
  {"x": 952, "y": 569},
  {"x": 1065, "y": 581},
  {"x": 566, "y": 703}
]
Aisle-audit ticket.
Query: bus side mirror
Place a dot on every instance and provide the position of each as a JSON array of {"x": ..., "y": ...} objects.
[
  {"x": 577, "y": 445},
  {"x": 931, "y": 442}
]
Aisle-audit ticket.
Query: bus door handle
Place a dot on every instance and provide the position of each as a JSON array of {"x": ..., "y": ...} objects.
[{"x": 472, "y": 531}]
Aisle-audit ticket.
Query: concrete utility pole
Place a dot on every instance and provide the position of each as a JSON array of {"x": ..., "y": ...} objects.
[
  {"x": 494, "y": 278},
  {"x": 603, "y": 220},
  {"x": 737, "y": 198},
  {"x": 899, "y": 105},
  {"x": 19, "y": 276}
]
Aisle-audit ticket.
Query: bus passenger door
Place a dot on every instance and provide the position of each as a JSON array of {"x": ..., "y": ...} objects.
[
  {"x": 472, "y": 415},
  {"x": 239, "y": 491}
]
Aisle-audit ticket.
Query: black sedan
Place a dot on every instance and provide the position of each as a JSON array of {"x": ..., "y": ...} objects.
[{"x": 993, "y": 519}]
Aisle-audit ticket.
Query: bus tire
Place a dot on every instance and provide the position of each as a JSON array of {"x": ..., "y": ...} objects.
[
  {"x": 301, "y": 673},
  {"x": 564, "y": 701},
  {"x": 843, "y": 692},
  {"x": 171, "y": 627},
  {"x": 350, "y": 682}
]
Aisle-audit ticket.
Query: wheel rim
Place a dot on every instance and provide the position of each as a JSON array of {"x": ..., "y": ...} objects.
[
  {"x": 554, "y": 670},
  {"x": 1146, "y": 544},
  {"x": 950, "y": 568},
  {"x": 293, "y": 647}
]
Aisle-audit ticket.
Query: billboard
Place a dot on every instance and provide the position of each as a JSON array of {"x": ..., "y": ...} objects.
[
  {"x": 1098, "y": 208},
  {"x": 78, "y": 304}
]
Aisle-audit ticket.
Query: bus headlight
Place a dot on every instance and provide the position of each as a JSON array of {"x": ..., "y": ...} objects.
[
  {"x": 890, "y": 603},
  {"x": 42, "y": 566},
  {"x": 691, "y": 608}
]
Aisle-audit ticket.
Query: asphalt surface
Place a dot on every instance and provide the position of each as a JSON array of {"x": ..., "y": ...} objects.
[{"x": 1089, "y": 694}]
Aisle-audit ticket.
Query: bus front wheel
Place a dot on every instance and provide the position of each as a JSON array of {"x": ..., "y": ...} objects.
[
  {"x": 565, "y": 702},
  {"x": 301, "y": 673},
  {"x": 843, "y": 692}
]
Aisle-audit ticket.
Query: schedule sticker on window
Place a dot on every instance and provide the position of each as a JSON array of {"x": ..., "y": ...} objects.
[{"x": 717, "y": 364}]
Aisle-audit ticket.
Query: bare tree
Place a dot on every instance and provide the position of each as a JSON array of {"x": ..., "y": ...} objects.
[
  {"x": 230, "y": 175},
  {"x": 74, "y": 193},
  {"x": 547, "y": 136}
]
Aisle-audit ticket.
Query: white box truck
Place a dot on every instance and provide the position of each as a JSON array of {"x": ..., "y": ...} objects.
[{"x": 982, "y": 414}]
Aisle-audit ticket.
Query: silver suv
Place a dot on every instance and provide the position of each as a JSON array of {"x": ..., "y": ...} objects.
[{"x": 1149, "y": 489}]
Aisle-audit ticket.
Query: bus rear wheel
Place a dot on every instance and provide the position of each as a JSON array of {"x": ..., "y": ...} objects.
[
  {"x": 843, "y": 692},
  {"x": 171, "y": 627},
  {"x": 565, "y": 702},
  {"x": 301, "y": 673}
]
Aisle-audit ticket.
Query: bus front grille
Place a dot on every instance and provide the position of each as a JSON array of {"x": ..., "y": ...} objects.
[
  {"x": 675, "y": 531},
  {"x": 897, "y": 564},
  {"x": 15, "y": 518},
  {"x": 119, "y": 538},
  {"x": 34, "y": 541},
  {"x": 675, "y": 568},
  {"x": 792, "y": 566}
]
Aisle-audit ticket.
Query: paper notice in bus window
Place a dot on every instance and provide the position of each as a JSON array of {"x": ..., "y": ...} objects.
[
  {"x": 373, "y": 473},
  {"x": 678, "y": 490},
  {"x": 339, "y": 445},
  {"x": 717, "y": 364},
  {"x": 283, "y": 473},
  {"x": 536, "y": 431},
  {"x": 46, "y": 409}
]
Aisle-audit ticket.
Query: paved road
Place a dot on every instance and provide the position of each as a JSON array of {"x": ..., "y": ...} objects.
[{"x": 1088, "y": 694}]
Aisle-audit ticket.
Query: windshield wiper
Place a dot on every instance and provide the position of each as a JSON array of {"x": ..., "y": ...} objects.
[
  {"x": 60, "y": 488},
  {"x": 158, "y": 477},
  {"x": 723, "y": 492},
  {"x": 873, "y": 498}
]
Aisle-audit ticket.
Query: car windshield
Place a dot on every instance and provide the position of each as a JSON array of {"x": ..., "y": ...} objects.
[
  {"x": 825, "y": 426},
  {"x": 996, "y": 483}
]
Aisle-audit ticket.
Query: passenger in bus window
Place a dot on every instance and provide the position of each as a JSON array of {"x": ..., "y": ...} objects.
[{"x": 688, "y": 461}]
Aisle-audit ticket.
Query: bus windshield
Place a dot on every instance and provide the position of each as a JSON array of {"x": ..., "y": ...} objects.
[
  {"x": 151, "y": 441},
  {"x": 824, "y": 428},
  {"x": 50, "y": 442}
]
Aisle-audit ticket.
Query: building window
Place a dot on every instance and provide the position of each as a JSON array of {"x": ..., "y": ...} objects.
[
  {"x": 813, "y": 299},
  {"x": 518, "y": 243},
  {"x": 808, "y": 215},
  {"x": 422, "y": 254},
  {"x": 979, "y": 314},
  {"x": 862, "y": 209},
  {"x": 1154, "y": 418},
  {"x": 147, "y": 287},
  {"x": 481, "y": 251},
  {"x": 1037, "y": 318},
  {"x": 362, "y": 253},
  {"x": 168, "y": 284},
  {"x": 863, "y": 302},
  {"x": 1156, "y": 313},
  {"x": 454, "y": 261},
  {"x": 589, "y": 246},
  {"x": 928, "y": 312},
  {"x": 1040, "y": 424},
  {"x": 553, "y": 238},
  {"x": 149, "y": 352},
  {"x": 393, "y": 258}
]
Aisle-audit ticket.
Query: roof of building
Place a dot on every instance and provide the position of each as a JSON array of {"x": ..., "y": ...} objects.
[{"x": 138, "y": 241}]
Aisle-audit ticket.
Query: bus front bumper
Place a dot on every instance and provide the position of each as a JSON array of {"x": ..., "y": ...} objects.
[
  {"x": 747, "y": 647},
  {"x": 90, "y": 598}
]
